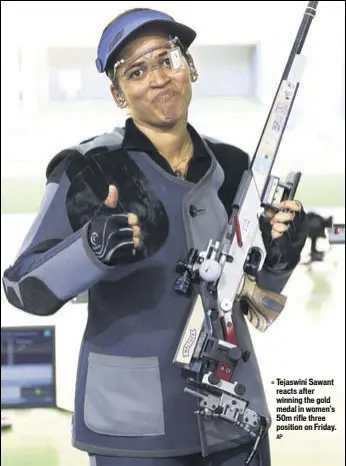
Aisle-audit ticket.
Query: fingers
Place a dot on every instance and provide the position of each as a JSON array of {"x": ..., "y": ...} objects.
[
  {"x": 293, "y": 205},
  {"x": 132, "y": 219},
  {"x": 269, "y": 213},
  {"x": 278, "y": 223},
  {"x": 131, "y": 231},
  {"x": 112, "y": 201},
  {"x": 136, "y": 236},
  {"x": 129, "y": 219},
  {"x": 282, "y": 217},
  {"x": 136, "y": 231},
  {"x": 279, "y": 229},
  {"x": 276, "y": 234},
  {"x": 280, "y": 220},
  {"x": 112, "y": 198}
]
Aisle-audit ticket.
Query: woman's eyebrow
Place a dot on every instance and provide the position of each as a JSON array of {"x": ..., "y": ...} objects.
[
  {"x": 140, "y": 63},
  {"x": 165, "y": 52},
  {"x": 134, "y": 65}
]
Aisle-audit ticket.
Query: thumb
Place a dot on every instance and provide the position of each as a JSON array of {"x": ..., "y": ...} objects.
[
  {"x": 269, "y": 213},
  {"x": 112, "y": 198}
]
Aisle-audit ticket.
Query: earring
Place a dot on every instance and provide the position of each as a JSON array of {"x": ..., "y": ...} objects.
[
  {"x": 118, "y": 96},
  {"x": 193, "y": 73},
  {"x": 120, "y": 100}
]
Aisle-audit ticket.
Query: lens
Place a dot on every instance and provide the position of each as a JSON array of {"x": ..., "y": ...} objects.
[{"x": 165, "y": 56}]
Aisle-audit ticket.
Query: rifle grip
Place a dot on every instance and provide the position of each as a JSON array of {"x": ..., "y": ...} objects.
[{"x": 264, "y": 306}]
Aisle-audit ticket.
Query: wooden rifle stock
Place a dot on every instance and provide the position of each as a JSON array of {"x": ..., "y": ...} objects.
[{"x": 264, "y": 306}]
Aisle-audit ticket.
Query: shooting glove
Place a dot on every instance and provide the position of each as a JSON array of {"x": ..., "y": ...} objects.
[
  {"x": 111, "y": 239},
  {"x": 283, "y": 253}
]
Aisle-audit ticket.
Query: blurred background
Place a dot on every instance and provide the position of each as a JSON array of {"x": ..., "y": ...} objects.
[{"x": 52, "y": 97}]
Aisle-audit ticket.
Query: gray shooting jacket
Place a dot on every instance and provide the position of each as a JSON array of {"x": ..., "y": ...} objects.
[{"x": 130, "y": 398}]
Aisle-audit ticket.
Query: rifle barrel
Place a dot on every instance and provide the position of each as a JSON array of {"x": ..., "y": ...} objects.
[
  {"x": 309, "y": 15},
  {"x": 275, "y": 125}
]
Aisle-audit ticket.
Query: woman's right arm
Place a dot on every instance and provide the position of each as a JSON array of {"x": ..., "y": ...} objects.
[{"x": 55, "y": 262}]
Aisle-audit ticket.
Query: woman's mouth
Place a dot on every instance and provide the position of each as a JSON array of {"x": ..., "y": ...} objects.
[{"x": 164, "y": 96}]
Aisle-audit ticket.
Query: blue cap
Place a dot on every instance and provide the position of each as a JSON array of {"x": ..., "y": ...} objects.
[{"x": 121, "y": 29}]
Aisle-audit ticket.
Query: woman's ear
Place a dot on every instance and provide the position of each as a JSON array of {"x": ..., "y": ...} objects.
[
  {"x": 193, "y": 70},
  {"x": 118, "y": 97}
]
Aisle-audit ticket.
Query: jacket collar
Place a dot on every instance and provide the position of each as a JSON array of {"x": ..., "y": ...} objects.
[{"x": 134, "y": 139}]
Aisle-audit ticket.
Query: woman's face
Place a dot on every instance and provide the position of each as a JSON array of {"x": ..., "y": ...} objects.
[{"x": 155, "y": 94}]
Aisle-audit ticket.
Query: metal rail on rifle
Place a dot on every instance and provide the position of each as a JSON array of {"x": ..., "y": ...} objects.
[{"x": 227, "y": 270}]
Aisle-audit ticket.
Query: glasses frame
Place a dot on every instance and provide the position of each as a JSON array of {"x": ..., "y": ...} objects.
[{"x": 174, "y": 45}]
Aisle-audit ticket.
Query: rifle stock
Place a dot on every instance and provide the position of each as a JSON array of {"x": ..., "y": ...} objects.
[
  {"x": 264, "y": 306},
  {"x": 225, "y": 274}
]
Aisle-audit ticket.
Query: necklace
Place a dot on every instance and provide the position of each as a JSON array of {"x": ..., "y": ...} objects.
[{"x": 180, "y": 169}]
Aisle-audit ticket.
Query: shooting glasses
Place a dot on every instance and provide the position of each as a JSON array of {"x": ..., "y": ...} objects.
[{"x": 166, "y": 56}]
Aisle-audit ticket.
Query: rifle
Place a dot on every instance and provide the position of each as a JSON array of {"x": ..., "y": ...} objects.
[
  {"x": 336, "y": 233},
  {"x": 227, "y": 269},
  {"x": 321, "y": 227}
]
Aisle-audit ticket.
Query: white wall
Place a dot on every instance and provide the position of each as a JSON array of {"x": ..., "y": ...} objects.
[
  {"x": 272, "y": 25},
  {"x": 224, "y": 71},
  {"x": 228, "y": 32}
]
